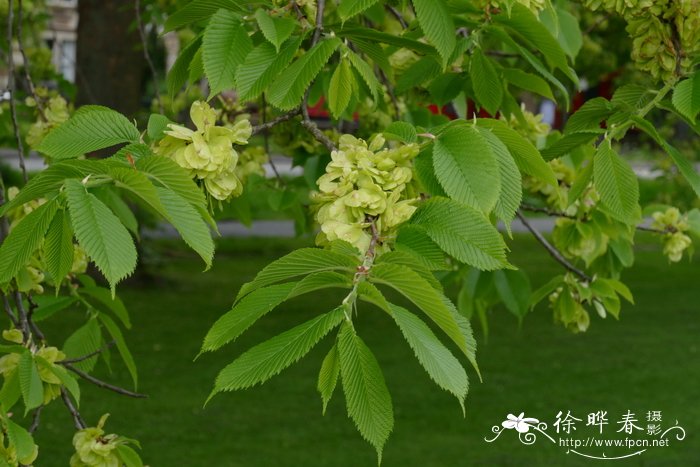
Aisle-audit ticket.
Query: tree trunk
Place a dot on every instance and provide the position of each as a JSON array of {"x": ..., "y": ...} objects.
[{"x": 110, "y": 62}]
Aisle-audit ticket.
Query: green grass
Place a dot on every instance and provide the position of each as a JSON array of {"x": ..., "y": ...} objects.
[{"x": 646, "y": 361}]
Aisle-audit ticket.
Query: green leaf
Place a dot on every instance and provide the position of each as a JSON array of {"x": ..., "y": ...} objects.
[
  {"x": 589, "y": 116},
  {"x": 375, "y": 36},
  {"x": 367, "y": 398},
  {"x": 322, "y": 280},
  {"x": 419, "y": 291},
  {"x": 22, "y": 441},
  {"x": 527, "y": 157},
  {"x": 128, "y": 456},
  {"x": 10, "y": 393},
  {"x": 85, "y": 340},
  {"x": 437, "y": 360},
  {"x": 462, "y": 232},
  {"x": 511, "y": 184},
  {"x": 124, "y": 351},
  {"x": 24, "y": 239},
  {"x": 268, "y": 359},
  {"x": 178, "y": 73},
  {"x": 416, "y": 242},
  {"x": 569, "y": 142},
  {"x": 262, "y": 65},
  {"x": 569, "y": 33},
  {"x": 581, "y": 182},
  {"x": 275, "y": 30},
  {"x": 62, "y": 374},
  {"x": 29, "y": 382},
  {"x": 528, "y": 82},
  {"x": 349, "y": 8},
  {"x": 616, "y": 183},
  {"x": 58, "y": 248},
  {"x": 99, "y": 232},
  {"x": 91, "y": 128},
  {"x": 328, "y": 376},
  {"x": 288, "y": 89},
  {"x": 113, "y": 304},
  {"x": 188, "y": 222},
  {"x": 514, "y": 289},
  {"x": 225, "y": 45},
  {"x": 118, "y": 206},
  {"x": 466, "y": 167},
  {"x": 545, "y": 290},
  {"x": 48, "y": 305},
  {"x": 341, "y": 89},
  {"x": 157, "y": 124},
  {"x": 244, "y": 313},
  {"x": 403, "y": 131},
  {"x": 486, "y": 82},
  {"x": 421, "y": 71},
  {"x": 299, "y": 262},
  {"x": 686, "y": 97},
  {"x": 437, "y": 25},
  {"x": 199, "y": 10},
  {"x": 366, "y": 73}
]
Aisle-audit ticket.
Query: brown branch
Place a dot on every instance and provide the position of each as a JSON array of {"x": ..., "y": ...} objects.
[
  {"x": 553, "y": 252},
  {"x": 90, "y": 355},
  {"x": 102, "y": 384},
  {"x": 8, "y": 310},
  {"x": 146, "y": 54},
  {"x": 23, "y": 321},
  {"x": 396, "y": 14},
  {"x": 36, "y": 419},
  {"x": 77, "y": 419},
  {"x": 275, "y": 121},
  {"x": 12, "y": 89},
  {"x": 317, "y": 133},
  {"x": 318, "y": 29}
]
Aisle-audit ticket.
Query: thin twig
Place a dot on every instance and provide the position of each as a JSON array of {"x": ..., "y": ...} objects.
[
  {"x": 90, "y": 355},
  {"x": 396, "y": 14},
  {"x": 11, "y": 89},
  {"x": 146, "y": 54},
  {"x": 553, "y": 252},
  {"x": 22, "y": 315},
  {"x": 100, "y": 383},
  {"x": 36, "y": 419},
  {"x": 30, "y": 313},
  {"x": 25, "y": 61},
  {"x": 266, "y": 139},
  {"x": 8, "y": 310},
  {"x": 276, "y": 121},
  {"x": 320, "y": 7},
  {"x": 77, "y": 419}
]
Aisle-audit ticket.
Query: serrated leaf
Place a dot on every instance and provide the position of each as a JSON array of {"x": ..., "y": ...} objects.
[
  {"x": 511, "y": 183},
  {"x": 444, "y": 369},
  {"x": 403, "y": 131},
  {"x": 224, "y": 46},
  {"x": 366, "y": 73},
  {"x": 527, "y": 157},
  {"x": 462, "y": 232},
  {"x": 349, "y": 8},
  {"x": 374, "y": 35},
  {"x": 91, "y": 128},
  {"x": 62, "y": 374},
  {"x": 328, "y": 376},
  {"x": 686, "y": 97},
  {"x": 29, "y": 382},
  {"x": 412, "y": 262},
  {"x": 123, "y": 349},
  {"x": 178, "y": 73},
  {"x": 275, "y": 30},
  {"x": 421, "y": 71},
  {"x": 113, "y": 304},
  {"x": 262, "y": 65},
  {"x": 24, "y": 239},
  {"x": 58, "y": 248},
  {"x": 589, "y": 116},
  {"x": 84, "y": 341},
  {"x": 418, "y": 243},
  {"x": 268, "y": 359},
  {"x": 105, "y": 240},
  {"x": 118, "y": 206},
  {"x": 412, "y": 286},
  {"x": 340, "y": 89},
  {"x": 570, "y": 142},
  {"x": 188, "y": 222},
  {"x": 300, "y": 262},
  {"x": 486, "y": 82},
  {"x": 514, "y": 289},
  {"x": 367, "y": 398},
  {"x": 198, "y": 10},
  {"x": 617, "y": 184},
  {"x": 528, "y": 82},
  {"x": 569, "y": 33},
  {"x": 157, "y": 124},
  {"x": 244, "y": 313},
  {"x": 48, "y": 305},
  {"x": 437, "y": 25},
  {"x": 21, "y": 441},
  {"x": 288, "y": 89},
  {"x": 466, "y": 167}
]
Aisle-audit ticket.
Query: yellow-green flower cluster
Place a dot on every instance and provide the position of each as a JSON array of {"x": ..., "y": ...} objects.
[
  {"x": 55, "y": 112},
  {"x": 675, "y": 240},
  {"x": 207, "y": 152},
  {"x": 251, "y": 161},
  {"x": 93, "y": 448},
  {"x": 554, "y": 196},
  {"x": 365, "y": 183},
  {"x": 535, "y": 5},
  {"x": 665, "y": 34},
  {"x": 530, "y": 126}
]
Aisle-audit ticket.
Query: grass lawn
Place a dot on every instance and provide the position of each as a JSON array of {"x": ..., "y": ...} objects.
[{"x": 647, "y": 361}]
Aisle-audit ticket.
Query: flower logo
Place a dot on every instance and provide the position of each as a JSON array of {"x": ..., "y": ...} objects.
[{"x": 520, "y": 423}]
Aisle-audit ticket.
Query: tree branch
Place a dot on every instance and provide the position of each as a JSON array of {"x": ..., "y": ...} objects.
[
  {"x": 90, "y": 355},
  {"x": 77, "y": 419},
  {"x": 553, "y": 252},
  {"x": 100, "y": 383},
  {"x": 12, "y": 89},
  {"x": 25, "y": 61},
  {"x": 36, "y": 419},
  {"x": 146, "y": 54},
  {"x": 275, "y": 121},
  {"x": 395, "y": 13}
]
